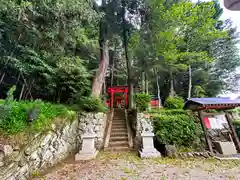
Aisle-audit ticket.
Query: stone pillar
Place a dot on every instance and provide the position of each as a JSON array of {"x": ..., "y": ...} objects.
[
  {"x": 148, "y": 149},
  {"x": 88, "y": 148},
  {"x": 1, "y": 158}
]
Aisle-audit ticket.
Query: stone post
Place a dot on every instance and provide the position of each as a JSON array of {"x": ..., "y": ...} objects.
[
  {"x": 88, "y": 146},
  {"x": 1, "y": 158},
  {"x": 148, "y": 149}
]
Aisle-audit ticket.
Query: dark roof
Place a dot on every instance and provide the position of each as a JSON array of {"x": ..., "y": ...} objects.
[{"x": 211, "y": 103}]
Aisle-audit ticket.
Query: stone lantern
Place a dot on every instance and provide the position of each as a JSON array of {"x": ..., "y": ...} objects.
[
  {"x": 88, "y": 150},
  {"x": 147, "y": 135}
]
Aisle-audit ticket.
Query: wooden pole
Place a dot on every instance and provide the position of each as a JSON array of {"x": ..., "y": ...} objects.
[
  {"x": 209, "y": 143},
  {"x": 233, "y": 132},
  {"x": 21, "y": 94}
]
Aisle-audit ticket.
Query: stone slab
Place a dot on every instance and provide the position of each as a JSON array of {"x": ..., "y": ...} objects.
[
  {"x": 84, "y": 157},
  {"x": 149, "y": 153},
  {"x": 225, "y": 148}
]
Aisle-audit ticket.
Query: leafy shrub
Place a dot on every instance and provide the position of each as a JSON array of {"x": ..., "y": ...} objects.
[
  {"x": 236, "y": 122},
  {"x": 169, "y": 111},
  {"x": 2, "y": 101},
  {"x": 17, "y": 119},
  {"x": 178, "y": 129},
  {"x": 142, "y": 101},
  {"x": 89, "y": 104},
  {"x": 235, "y": 110},
  {"x": 5, "y": 105},
  {"x": 174, "y": 102}
]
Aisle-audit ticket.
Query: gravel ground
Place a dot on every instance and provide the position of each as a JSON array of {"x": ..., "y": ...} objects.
[{"x": 127, "y": 166}]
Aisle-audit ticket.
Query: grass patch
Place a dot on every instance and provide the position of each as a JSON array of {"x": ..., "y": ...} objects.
[
  {"x": 127, "y": 170},
  {"x": 128, "y": 156},
  {"x": 17, "y": 119}
]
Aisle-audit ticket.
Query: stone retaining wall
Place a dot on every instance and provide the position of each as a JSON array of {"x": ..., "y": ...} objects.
[
  {"x": 48, "y": 148},
  {"x": 98, "y": 121},
  {"x": 205, "y": 154}
]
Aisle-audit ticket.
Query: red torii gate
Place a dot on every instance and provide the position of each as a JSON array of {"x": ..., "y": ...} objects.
[{"x": 117, "y": 89}]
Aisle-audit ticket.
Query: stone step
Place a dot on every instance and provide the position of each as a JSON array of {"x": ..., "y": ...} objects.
[
  {"x": 116, "y": 134},
  {"x": 117, "y": 130},
  {"x": 118, "y": 149},
  {"x": 119, "y": 126},
  {"x": 118, "y": 138},
  {"x": 118, "y": 123},
  {"x": 118, "y": 144},
  {"x": 119, "y": 112},
  {"x": 118, "y": 119}
]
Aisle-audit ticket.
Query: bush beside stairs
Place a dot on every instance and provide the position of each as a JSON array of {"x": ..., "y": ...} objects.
[{"x": 119, "y": 135}]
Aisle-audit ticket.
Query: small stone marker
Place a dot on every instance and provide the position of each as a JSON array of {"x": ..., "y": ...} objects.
[
  {"x": 88, "y": 146},
  {"x": 148, "y": 149},
  {"x": 225, "y": 148}
]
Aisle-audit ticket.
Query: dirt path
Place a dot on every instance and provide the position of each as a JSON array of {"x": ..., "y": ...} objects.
[{"x": 127, "y": 166}]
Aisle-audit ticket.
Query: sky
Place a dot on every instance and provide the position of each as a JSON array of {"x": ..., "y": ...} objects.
[{"x": 233, "y": 15}]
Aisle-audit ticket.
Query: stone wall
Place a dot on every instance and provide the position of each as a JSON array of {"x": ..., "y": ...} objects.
[
  {"x": 205, "y": 154},
  {"x": 48, "y": 148},
  {"x": 98, "y": 122}
]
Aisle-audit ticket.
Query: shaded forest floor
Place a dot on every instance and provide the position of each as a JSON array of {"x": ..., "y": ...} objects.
[{"x": 127, "y": 166}]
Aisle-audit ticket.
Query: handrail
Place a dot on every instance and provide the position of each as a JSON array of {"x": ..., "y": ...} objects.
[
  {"x": 129, "y": 130},
  {"x": 108, "y": 128}
]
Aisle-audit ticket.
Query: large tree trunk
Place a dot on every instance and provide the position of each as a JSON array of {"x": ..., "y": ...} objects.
[
  {"x": 104, "y": 57},
  {"x": 111, "y": 75},
  {"x": 2, "y": 77},
  {"x": 190, "y": 82},
  {"x": 128, "y": 62},
  {"x": 172, "y": 92},
  {"x": 158, "y": 92},
  {"x": 146, "y": 83},
  {"x": 143, "y": 82},
  {"x": 100, "y": 74},
  {"x": 21, "y": 94},
  {"x": 129, "y": 80},
  {"x": 104, "y": 90}
]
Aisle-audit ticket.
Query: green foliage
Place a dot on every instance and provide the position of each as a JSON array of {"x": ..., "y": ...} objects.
[
  {"x": 174, "y": 102},
  {"x": 176, "y": 128},
  {"x": 17, "y": 119},
  {"x": 198, "y": 91},
  {"x": 181, "y": 34},
  {"x": 5, "y": 105},
  {"x": 2, "y": 101},
  {"x": 46, "y": 47},
  {"x": 142, "y": 101},
  {"x": 88, "y": 104},
  {"x": 235, "y": 110},
  {"x": 236, "y": 122},
  {"x": 10, "y": 96},
  {"x": 164, "y": 111}
]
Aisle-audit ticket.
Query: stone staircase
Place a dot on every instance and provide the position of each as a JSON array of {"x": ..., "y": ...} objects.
[{"x": 119, "y": 136}]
